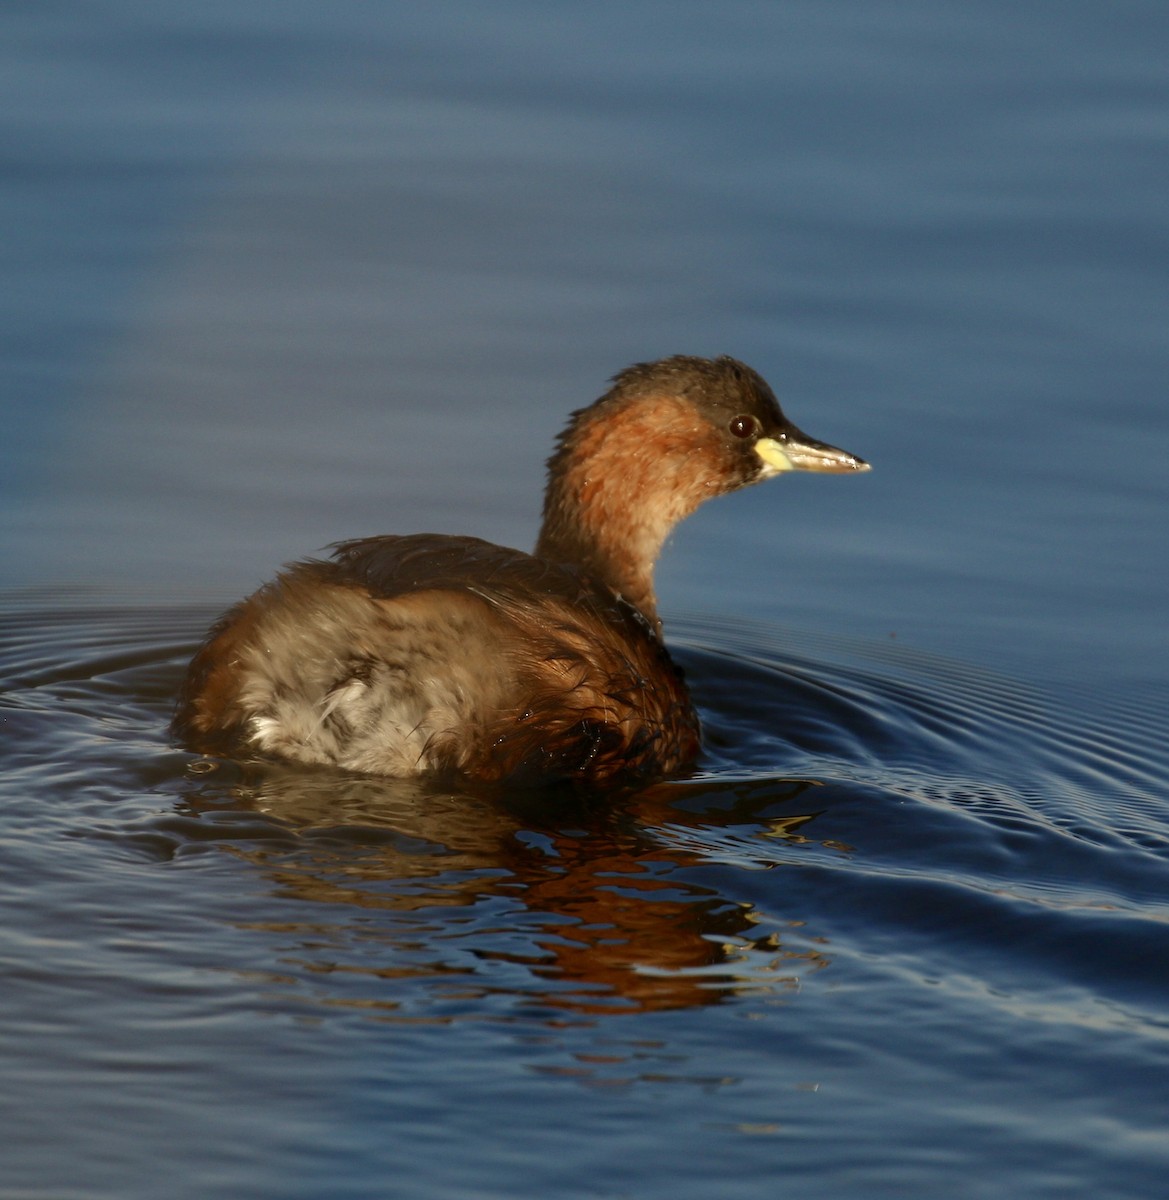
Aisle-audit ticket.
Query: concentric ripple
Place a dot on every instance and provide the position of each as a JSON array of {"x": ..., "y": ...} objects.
[
  {"x": 910, "y": 800},
  {"x": 901, "y": 896}
]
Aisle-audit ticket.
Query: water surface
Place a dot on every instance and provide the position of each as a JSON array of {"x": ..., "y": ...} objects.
[
  {"x": 903, "y": 924},
  {"x": 283, "y": 274}
]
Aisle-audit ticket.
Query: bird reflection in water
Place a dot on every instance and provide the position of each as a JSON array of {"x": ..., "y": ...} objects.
[{"x": 584, "y": 909}]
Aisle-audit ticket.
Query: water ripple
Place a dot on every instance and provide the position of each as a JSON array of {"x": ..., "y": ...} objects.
[{"x": 895, "y": 795}]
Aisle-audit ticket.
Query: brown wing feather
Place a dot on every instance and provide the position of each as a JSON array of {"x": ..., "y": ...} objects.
[
  {"x": 603, "y": 699},
  {"x": 393, "y": 565},
  {"x": 595, "y": 699}
]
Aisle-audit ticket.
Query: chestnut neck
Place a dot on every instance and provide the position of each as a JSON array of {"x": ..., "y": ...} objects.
[{"x": 624, "y": 474}]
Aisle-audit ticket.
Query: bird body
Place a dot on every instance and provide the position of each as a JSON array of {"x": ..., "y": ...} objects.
[{"x": 429, "y": 654}]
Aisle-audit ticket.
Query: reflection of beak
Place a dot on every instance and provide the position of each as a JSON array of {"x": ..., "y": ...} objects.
[{"x": 795, "y": 451}]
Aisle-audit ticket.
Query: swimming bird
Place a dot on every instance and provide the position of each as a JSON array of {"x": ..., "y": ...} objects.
[{"x": 444, "y": 656}]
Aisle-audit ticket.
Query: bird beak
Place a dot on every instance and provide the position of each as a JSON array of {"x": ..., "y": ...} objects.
[{"x": 795, "y": 451}]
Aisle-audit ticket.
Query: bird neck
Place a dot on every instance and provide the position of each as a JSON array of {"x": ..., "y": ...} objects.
[
  {"x": 622, "y": 561},
  {"x": 621, "y": 478}
]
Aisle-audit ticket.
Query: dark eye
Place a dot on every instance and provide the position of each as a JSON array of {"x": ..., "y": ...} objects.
[{"x": 744, "y": 426}]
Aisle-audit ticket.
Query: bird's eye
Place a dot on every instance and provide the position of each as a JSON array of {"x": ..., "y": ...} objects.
[{"x": 744, "y": 426}]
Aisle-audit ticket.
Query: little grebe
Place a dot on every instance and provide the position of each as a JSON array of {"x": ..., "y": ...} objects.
[{"x": 437, "y": 655}]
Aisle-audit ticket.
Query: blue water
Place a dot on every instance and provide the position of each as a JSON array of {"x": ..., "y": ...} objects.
[{"x": 278, "y": 274}]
